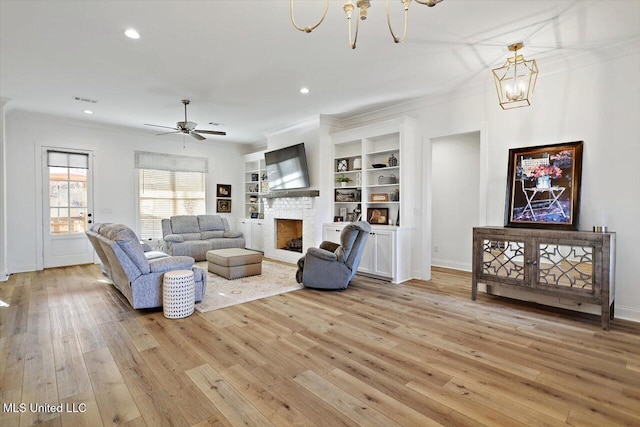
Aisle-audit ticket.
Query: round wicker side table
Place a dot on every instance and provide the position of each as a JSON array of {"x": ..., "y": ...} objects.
[{"x": 178, "y": 294}]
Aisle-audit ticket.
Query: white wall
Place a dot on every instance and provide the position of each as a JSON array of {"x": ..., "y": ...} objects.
[
  {"x": 455, "y": 173},
  {"x": 596, "y": 99},
  {"x": 4, "y": 271},
  {"x": 115, "y": 179}
]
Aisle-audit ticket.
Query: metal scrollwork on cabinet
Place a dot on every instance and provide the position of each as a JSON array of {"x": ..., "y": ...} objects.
[{"x": 575, "y": 265}]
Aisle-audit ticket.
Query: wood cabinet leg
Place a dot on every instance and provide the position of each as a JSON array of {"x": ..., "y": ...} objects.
[{"x": 474, "y": 289}]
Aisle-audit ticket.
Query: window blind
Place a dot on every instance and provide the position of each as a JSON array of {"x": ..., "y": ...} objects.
[
  {"x": 63, "y": 159},
  {"x": 170, "y": 162},
  {"x": 164, "y": 193}
]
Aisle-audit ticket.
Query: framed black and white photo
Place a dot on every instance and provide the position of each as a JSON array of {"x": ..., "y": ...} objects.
[
  {"x": 223, "y": 206},
  {"x": 223, "y": 190}
]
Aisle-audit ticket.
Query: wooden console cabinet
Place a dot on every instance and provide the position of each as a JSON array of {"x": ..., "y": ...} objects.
[{"x": 575, "y": 265}]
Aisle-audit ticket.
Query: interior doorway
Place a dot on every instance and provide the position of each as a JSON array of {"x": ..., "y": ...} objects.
[{"x": 456, "y": 204}]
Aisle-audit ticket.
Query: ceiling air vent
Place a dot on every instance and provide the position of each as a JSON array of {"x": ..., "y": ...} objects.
[{"x": 90, "y": 101}]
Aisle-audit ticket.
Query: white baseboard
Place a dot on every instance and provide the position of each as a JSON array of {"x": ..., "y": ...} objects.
[
  {"x": 627, "y": 313},
  {"x": 450, "y": 264},
  {"x": 24, "y": 268}
]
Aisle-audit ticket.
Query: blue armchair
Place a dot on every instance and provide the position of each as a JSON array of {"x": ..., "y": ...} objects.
[{"x": 332, "y": 265}]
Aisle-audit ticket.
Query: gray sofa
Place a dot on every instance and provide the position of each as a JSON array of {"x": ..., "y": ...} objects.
[
  {"x": 138, "y": 275},
  {"x": 194, "y": 235}
]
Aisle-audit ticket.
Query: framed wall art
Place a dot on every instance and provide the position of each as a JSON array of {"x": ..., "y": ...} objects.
[
  {"x": 377, "y": 215},
  {"x": 223, "y": 190},
  {"x": 543, "y": 186},
  {"x": 223, "y": 206}
]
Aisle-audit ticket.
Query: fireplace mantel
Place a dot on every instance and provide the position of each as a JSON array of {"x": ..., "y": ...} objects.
[{"x": 280, "y": 194}]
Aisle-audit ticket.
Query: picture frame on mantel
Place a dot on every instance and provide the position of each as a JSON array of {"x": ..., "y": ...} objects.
[{"x": 543, "y": 186}]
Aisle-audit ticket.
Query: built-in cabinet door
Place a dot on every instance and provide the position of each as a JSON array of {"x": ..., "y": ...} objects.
[
  {"x": 367, "y": 262},
  {"x": 384, "y": 254},
  {"x": 378, "y": 257},
  {"x": 245, "y": 228},
  {"x": 331, "y": 234},
  {"x": 252, "y": 233},
  {"x": 256, "y": 236}
]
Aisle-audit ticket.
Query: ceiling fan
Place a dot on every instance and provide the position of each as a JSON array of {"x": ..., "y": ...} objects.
[{"x": 188, "y": 127}]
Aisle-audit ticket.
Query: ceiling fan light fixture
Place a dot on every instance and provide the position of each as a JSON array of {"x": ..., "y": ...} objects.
[
  {"x": 88, "y": 112},
  {"x": 188, "y": 128}
]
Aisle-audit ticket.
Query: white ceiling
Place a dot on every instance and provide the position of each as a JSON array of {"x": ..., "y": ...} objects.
[{"x": 241, "y": 62}]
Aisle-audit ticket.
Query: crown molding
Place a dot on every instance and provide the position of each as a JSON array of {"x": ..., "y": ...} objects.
[{"x": 580, "y": 60}]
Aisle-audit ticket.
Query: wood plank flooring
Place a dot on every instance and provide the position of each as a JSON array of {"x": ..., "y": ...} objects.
[{"x": 377, "y": 354}]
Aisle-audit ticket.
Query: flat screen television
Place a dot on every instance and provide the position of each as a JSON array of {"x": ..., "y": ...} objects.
[{"x": 287, "y": 168}]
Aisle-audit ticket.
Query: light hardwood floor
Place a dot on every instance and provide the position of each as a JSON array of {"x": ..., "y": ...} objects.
[{"x": 377, "y": 354}]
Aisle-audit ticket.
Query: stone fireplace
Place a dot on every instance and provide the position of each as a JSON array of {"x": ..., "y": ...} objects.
[{"x": 288, "y": 218}]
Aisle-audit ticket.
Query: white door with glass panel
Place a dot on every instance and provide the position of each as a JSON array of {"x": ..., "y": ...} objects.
[{"x": 67, "y": 207}]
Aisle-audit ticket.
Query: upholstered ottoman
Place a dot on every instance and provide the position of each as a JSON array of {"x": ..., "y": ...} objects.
[{"x": 234, "y": 263}]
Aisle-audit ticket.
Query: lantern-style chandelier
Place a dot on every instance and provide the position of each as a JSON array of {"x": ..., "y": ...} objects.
[
  {"x": 516, "y": 80},
  {"x": 363, "y": 6}
]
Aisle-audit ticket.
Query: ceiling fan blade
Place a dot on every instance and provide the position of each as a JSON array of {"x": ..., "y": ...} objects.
[
  {"x": 167, "y": 133},
  {"x": 212, "y": 132},
  {"x": 197, "y": 136},
  {"x": 158, "y": 126}
]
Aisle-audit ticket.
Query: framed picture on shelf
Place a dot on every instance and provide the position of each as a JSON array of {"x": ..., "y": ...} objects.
[
  {"x": 338, "y": 219},
  {"x": 377, "y": 215},
  {"x": 342, "y": 165},
  {"x": 543, "y": 186},
  {"x": 255, "y": 215},
  {"x": 351, "y": 217},
  {"x": 350, "y": 195},
  {"x": 223, "y": 190},
  {"x": 254, "y": 177},
  {"x": 379, "y": 197},
  {"x": 223, "y": 206}
]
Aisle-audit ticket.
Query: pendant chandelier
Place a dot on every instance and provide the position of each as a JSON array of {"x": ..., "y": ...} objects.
[
  {"x": 516, "y": 80},
  {"x": 363, "y": 6}
]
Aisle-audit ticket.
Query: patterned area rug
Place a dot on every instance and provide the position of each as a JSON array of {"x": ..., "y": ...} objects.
[{"x": 275, "y": 279}]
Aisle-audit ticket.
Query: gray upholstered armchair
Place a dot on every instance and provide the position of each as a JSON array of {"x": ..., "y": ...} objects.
[
  {"x": 138, "y": 275},
  {"x": 332, "y": 265}
]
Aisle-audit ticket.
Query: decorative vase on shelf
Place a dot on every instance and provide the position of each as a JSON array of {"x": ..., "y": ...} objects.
[
  {"x": 344, "y": 183},
  {"x": 357, "y": 163},
  {"x": 393, "y": 160},
  {"x": 543, "y": 181}
]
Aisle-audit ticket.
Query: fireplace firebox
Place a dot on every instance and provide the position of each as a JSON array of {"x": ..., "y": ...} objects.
[{"x": 289, "y": 234}]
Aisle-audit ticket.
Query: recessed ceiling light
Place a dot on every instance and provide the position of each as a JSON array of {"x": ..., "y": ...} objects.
[
  {"x": 132, "y": 34},
  {"x": 304, "y": 90},
  {"x": 88, "y": 112}
]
